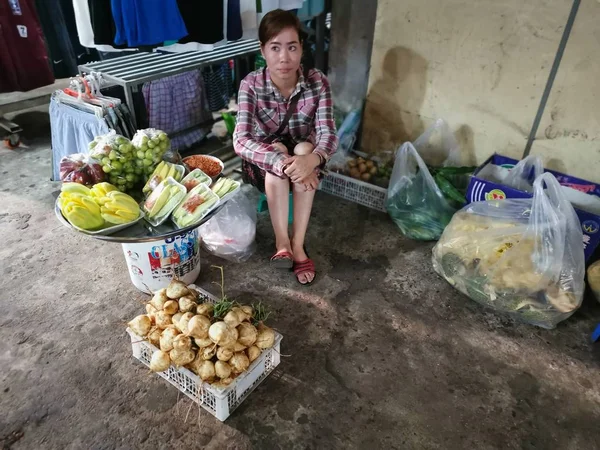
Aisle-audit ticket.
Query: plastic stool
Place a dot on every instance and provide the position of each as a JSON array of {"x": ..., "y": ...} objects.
[{"x": 263, "y": 205}]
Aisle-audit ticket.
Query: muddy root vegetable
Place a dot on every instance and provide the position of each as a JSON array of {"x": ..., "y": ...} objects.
[
  {"x": 183, "y": 321},
  {"x": 177, "y": 289},
  {"x": 224, "y": 354},
  {"x": 265, "y": 338},
  {"x": 237, "y": 347},
  {"x": 222, "y": 369},
  {"x": 223, "y": 383},
  {"x": 154, "y": 336},
  {"x": 208, "y": 352},
  {"x": 241, "y": 313},
  {"x": 248, "y": 310},
  {"x": 194, "y": 294},
  {"x": 141, "y": 325},
  {"x": 205, "y": 309},
  {"x": 176, "y": 317},
  {"x": 233, "y": 319},
  {"x": 198, "y": 327},
  {"x": 239, "y": 362},
  {"x": 247, "y": 334},
  {"x": 182, "y": 342},
  {"x": 159, "y": 299},
  {"x": 253, "y": 353},
  {"x": 160, "y": 361},
  {"x": 206, "y": 371},
  {"x": 166, "y": 339},
  {"x": 203, "y": 342},
  {"x": 162, "y": 319},
  {"x": 171, "y": 307},
  {"x": 222, "y": 334},
  {"x": 181, "y": 357},
  {"x": 187, "y": 304},
  {"x": 151, "y": 311}
]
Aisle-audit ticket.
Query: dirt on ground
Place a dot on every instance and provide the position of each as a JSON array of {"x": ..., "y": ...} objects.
[{"x": 381, "y": 352}]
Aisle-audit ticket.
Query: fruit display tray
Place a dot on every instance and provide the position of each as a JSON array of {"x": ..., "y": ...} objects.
[{"x": 138, "y": 231}]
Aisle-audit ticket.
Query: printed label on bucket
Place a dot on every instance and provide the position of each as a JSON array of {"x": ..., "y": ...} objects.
[
  {"x": 153, "y": 265},
  {"x": 176, "y": 257}
]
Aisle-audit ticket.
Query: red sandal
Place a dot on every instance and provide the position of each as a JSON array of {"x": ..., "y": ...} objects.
[
  {"x": 303, "y": 267},
  {"x": 282, "y": 260}
]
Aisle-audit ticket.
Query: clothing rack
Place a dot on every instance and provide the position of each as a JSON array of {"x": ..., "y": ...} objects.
[{"x": 132, "y": 71}]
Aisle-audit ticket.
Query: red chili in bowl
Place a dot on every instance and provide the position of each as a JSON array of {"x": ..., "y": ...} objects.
[{"x": 209, "y": 166}]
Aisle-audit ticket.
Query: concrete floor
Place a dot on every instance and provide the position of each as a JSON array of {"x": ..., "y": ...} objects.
[{"x": 383, "y": 353}]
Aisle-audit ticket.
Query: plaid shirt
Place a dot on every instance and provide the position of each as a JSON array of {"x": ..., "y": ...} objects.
[
  {"x": 177, "y": 103},
  {"x": 262, "y": 108}
]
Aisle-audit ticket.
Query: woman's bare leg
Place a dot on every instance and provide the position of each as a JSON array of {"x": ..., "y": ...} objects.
[
  {"x": 278, "y": 191},
  {"x": 303, "y": 201}
]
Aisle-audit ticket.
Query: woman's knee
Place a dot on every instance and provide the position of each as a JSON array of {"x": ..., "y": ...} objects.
[
  {"x": 303, "y": 148},
  {"x": 281, "y": 148}
]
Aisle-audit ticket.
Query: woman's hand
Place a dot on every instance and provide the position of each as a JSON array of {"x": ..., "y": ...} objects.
[
  {"x": 301, "y": 167},
  {"x": 311, "y": 182}
]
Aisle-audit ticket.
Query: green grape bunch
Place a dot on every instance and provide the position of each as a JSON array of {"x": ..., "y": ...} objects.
[
  {"x": 116, "y": 155},
  {"x": 150, "y": 146}
]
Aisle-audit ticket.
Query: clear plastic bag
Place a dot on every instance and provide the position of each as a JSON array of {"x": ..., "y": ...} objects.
[
  {"x": 415, "y": 201},
  {"x": 116, "y": 154},
  {"x": 80, "y": 168},
  {"x": 525, "y": 173},
  {"x": 523, "y": 257},
  {"x": 231, "y": 233}
]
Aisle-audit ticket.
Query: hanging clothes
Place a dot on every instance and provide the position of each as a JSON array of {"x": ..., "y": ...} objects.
[
  {"x": 103, "y": 23},
  {"x": 176, "y": 103},
  {"x": 219, "y": 85},
  {"x": 23, "y": 56},
  {"x": 66, "y": 53},
  {"x": 71, "y": 131},
  {"x": 234, "y": 20},
  {"x": 147, "y": 22},
  {"x": 85, "y": 32},
  {"x": 203, "y": 21}
]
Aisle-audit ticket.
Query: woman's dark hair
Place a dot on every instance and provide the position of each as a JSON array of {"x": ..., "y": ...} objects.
[{"x": 275, "y": 22}]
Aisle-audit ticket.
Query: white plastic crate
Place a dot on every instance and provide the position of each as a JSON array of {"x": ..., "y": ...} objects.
[
  {"x": 219, "y": 402},
  {"x": 356, "y": 191}
]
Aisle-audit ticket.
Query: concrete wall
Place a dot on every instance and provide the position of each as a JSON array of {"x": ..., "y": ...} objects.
[
  {"x": 482, "y": 66},
  {"x": 352, "y": 29}
]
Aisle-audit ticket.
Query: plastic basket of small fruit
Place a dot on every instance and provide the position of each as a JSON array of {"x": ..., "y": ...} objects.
[
  {"x": 360, "y": 180},
  {"x": 199, "y": 379}
]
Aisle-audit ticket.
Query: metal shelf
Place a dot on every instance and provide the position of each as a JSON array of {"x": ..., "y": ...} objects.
[{"x": 133, "y": 70}]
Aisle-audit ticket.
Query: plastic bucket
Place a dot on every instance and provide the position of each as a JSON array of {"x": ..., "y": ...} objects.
[{"x": 152, "y": 265}]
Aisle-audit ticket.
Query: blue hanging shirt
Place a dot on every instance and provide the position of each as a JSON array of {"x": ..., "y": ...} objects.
[{"x": 147, "y": 22}]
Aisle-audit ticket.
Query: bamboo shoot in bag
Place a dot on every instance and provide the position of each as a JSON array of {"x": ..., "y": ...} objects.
[
  {"x": 415, "y": 202},
  {"x": 523, "y": 257},
  {"x": 420, "y": 203}
]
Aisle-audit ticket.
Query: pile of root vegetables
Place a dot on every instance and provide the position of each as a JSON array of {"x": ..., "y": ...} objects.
[{"x": 216, "y": 341}]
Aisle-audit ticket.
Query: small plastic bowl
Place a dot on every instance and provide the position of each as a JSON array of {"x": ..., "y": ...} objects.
[{"x": 195, "y": 162}]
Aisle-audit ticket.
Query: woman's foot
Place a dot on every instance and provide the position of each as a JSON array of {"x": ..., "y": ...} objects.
[
  {"x": 304, "y": 267},
  {"x": 283, "y": 257}
]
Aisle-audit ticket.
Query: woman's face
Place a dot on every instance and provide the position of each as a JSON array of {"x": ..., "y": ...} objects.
[{"x": 283, "y": 54}]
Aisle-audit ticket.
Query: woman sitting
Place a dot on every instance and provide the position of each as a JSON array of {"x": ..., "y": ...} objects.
[{"x": 285, "y": 133}]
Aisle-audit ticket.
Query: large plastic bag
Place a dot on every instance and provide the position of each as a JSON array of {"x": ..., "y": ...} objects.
[
  {"x": 525, "y": 173},
  {"x": 415, "y": 201},
  {"x": 231, "y": 233},
  {"x": 523, "y": 257}
]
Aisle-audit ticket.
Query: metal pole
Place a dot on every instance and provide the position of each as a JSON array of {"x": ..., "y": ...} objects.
[{"x": 559, "y": 54}]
